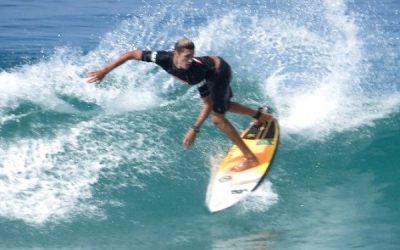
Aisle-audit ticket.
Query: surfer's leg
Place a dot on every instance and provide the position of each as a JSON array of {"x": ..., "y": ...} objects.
[
  {"x": 243, "y": 110},
  {"x": 221, "y": 93},
  {"x": 250, "y": 160}
]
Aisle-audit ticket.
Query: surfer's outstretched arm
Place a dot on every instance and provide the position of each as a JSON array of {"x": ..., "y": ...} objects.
[{"x": 97, "y": 76}]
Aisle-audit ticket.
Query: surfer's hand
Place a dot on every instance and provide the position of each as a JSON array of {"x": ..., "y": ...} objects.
[
  {"x": 189, "y": 139},
  {"x": 97, "y": 76}
]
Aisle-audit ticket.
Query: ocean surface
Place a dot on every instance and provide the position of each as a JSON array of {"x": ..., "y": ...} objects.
[{"x": 85, "y": 166}]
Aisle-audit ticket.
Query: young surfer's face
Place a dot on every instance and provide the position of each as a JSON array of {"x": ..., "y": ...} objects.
[{"x": 183, "y": 59}]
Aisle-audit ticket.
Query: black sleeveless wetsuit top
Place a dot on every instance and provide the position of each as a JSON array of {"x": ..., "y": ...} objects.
[
  {"x": 216, "y": 82},
  {"x": 202, "y": 68}
]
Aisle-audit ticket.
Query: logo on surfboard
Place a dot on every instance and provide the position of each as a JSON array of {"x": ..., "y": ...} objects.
[
  {"x": 225, "y": 178},
  {"x": 264, "y": 142},
  {"x": 239, "y": 191}
]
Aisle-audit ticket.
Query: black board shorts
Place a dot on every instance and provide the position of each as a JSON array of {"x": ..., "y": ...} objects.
[{"x": 219, "y": 87}]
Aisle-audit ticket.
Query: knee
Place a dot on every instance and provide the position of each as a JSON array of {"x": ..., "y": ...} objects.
[{"x": 218, "y": 120}]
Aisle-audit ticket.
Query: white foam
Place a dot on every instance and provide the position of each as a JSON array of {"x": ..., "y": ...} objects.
[
  {"x": 39, "y": 182},
  {"x": 334, "y": 100},
  {"x": 53, "y": 179},
  {"x": 313, "y": 73},
  {"x": 64, "y": 74},
  {"x": 260, "y": 200}
]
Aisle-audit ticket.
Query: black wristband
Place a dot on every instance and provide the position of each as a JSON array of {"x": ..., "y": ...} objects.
[
  {"x": 196, "y": 129},
  {"x": 258, "y": 114}
]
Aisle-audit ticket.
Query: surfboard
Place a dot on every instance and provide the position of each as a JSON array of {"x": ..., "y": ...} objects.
[{"x": 226, "y": 188}]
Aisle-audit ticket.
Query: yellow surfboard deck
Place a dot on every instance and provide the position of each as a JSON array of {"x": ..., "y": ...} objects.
[{"x": 226, "y": 187}]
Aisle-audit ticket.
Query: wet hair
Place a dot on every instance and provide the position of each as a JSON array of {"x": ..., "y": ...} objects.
[{"x": 184, "y": 43}]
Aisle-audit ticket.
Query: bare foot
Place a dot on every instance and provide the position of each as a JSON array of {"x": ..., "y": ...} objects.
[
  {"x": 263, "y": 118},
  {"x": 247, "y": 163}
]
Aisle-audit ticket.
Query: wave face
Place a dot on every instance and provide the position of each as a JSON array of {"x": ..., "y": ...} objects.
[{"x": 102, "y": 166}]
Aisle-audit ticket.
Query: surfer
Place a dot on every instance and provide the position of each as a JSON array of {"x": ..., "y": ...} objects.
[{"x": 213, "y": 75}]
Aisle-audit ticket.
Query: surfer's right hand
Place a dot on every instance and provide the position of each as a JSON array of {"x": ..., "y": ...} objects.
[
  {"x": 97, "y": 76},
  {"x": 189, "y": 138}
]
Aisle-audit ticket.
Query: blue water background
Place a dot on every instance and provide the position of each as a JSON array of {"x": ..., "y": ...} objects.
[{"x": 102, "y": 167}]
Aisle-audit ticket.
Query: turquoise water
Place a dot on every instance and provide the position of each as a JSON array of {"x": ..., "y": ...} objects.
[{"x": 103, "y": 167}]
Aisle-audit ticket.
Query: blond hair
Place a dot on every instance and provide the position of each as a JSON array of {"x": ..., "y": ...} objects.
[{"x": 184, "y": 43}]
